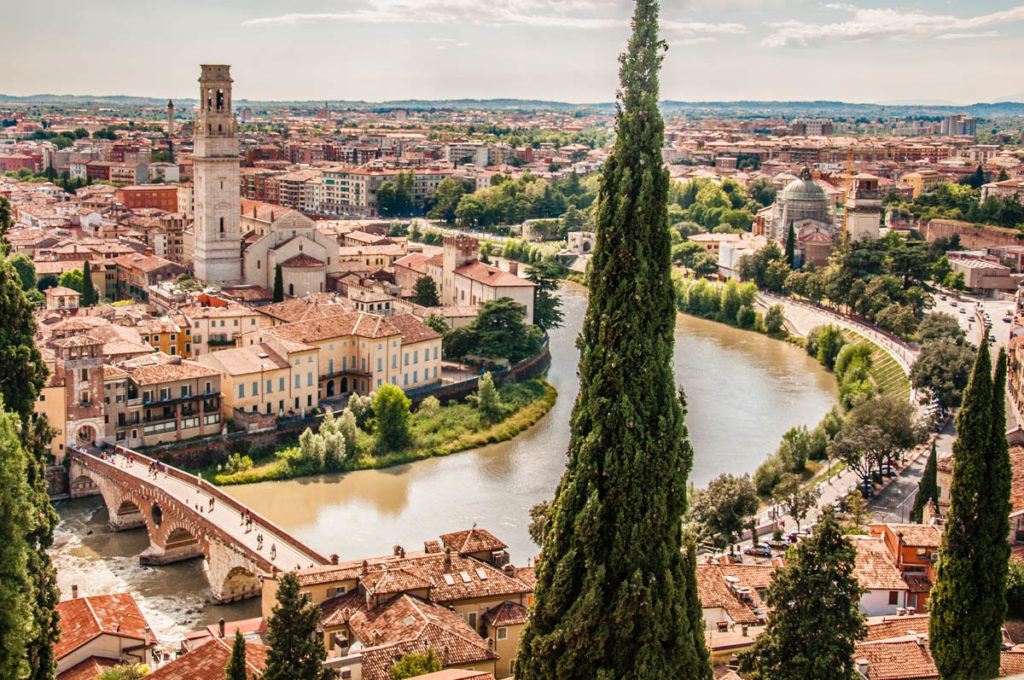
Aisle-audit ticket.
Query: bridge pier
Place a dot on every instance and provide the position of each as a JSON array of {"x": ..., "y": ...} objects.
[
  {"x": 231, "y": 576},
  {"x": 177, "y": 545},
  {"x": 126, "y": 516}
]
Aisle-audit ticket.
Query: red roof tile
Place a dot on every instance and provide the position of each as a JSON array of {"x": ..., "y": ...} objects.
[
  {"x": 85, "y": 618},
  {"x": 207, "y": 662}
]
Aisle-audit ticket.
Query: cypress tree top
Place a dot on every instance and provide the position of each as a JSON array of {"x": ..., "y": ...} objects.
[{"x": 615, "y": 595}]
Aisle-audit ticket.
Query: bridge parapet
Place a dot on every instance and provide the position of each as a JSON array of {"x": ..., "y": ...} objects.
[{"x": 186, "y": 518}]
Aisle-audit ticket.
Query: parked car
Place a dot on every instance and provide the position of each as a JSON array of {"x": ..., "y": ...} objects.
[
  {"x": 888, "y": 471},
  {"x": 760, "y": 550},
  {"x": 781, "y": 544}
]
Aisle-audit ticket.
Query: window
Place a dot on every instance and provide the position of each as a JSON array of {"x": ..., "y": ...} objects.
[
  {"x": 330, "y": 366},
  {"x": 435, "y": 351},
  {"x": 222, "y": 225},
  {"x": 394, "y": 361},
  {"x": 209, "y": 387},
  {"x": 415, "y": 376},
  {"x": 186, "y": 391},
  {"x": 416, "y": 356},
  {"x": 85, "y": 375},
  {"x": 241, "y": 391},
  {"x": 255, "y": 388},
  {"x": 503, "y": 633},
  {"x": 297, "y": 381},
  {"x": 405, "y": 379},
  {"x": 894, "y": 597},
  {"x": 309, "y": 379},
  {"x": 270, "y": 385},
  {"x": 379, "y": 364},
  {"x": 406, "y": 358},
  {"x": 471, "y": 619}
]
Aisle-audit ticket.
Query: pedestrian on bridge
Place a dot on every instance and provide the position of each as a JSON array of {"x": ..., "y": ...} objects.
[
  {"x": 273, "y": 551},
  {"x": 211, "y": 503}
]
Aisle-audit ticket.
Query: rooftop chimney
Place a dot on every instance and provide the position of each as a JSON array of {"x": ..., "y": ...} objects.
[
  {"x": 334, "y": 558},
  {"x": 74, "y": 592},
  {"x": 220, "y": 627},
  {"x": 513, "y": 267},
  {"x": 921, "y": 640},
  {"x": 447, "y": 558},
  {"x": 862, "y": 667}
]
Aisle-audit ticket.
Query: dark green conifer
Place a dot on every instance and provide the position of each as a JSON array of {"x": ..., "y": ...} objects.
[
  {"x": 15, "y": 524},
  {"x": 814, "y": 619},
  {"x": 295, "y": 652},
  {"x": 927, "y": 488},
  {"x": 278, "y": 284},
  {"x": 88, "y": 290},
  {"x": 964, "y": 635},
  {"x": 235, "y": 669},
  {"x": 791, "y": 247},
  {"x": 615, "y": 595}
]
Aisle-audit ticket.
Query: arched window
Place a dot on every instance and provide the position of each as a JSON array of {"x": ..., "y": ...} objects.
[
  {"x": 222, "y": 225},
  {"x": 220, "y": 100},
  {"x": 291, "y": 289}
]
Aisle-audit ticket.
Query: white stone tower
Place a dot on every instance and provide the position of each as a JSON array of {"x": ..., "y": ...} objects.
[{"x": 218, "y": 243}]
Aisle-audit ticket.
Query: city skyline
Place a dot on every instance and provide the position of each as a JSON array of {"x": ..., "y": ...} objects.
[{"x": 379, "y": 50}]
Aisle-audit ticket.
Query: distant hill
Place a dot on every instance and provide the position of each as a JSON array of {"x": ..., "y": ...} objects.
[{"x": 741, "y": 108}]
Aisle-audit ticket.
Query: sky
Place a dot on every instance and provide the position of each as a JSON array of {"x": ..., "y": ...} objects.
[{"x": 934, "y": 51}]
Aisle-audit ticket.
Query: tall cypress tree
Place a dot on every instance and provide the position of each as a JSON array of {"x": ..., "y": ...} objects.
[
  {"x": 815, "y": 620},
  {"x": 791, "y": 247},
  {"x": 961, "y": 635},
  {"x": 927, "y": 488},
  {"x": 278, "y": 284},
  {"x": 235, "y": 669},
  {"x": 15, "y": 525},
  {"x": 615, "y": 593},
  {"x": 994, "y": 513},
  {"x": 88, "y": 291},
  {"x": 295, "y": 652},
  {"x": 22, "y": 374}
]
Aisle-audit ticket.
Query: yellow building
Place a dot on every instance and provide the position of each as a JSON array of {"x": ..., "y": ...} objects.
[
  {"x": 170, "y": 335},
  {"x": 52, "y": 403},
  {"x": 274, "y": 377},
  {"x": 359, "y": 352},
  {"x": 923, "y": 181}
]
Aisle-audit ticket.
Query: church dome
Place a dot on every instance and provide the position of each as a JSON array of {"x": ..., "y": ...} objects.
[{"x": 804, "y": 190}]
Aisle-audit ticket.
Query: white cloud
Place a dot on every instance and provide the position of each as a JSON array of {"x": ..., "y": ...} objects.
[
  {"x": 884, "y": 23},
  {"x": 445, "y": 43},
  {"x": 686, "y": 42},
  {"x": 567, "y": 14},
  {"x": 968, "y": 36}
]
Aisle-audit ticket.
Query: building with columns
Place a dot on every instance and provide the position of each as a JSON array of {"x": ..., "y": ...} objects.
[{"x": 217, "y": 248}]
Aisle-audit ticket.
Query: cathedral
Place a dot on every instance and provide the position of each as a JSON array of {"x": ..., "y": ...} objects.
[{"x": 804, "y": 207}]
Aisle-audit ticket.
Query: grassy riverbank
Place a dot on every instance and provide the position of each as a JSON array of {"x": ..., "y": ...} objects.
[{"x": 435, "y": 432}]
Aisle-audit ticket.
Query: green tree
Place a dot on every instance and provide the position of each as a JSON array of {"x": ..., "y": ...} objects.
[
  {"x": 939, "y": 325},
  {"x": 722, "y": 509},
  {"x": 26, "y": 271},
  {"x": 446, "y": 200},
  {"x": 499, "y": 332},
  {"x": 413, "y": 665},
  {"x": 487, "y": 400},
  {"x": 791, "y": 247},
  {"x": 47, "y": 281},
  {"x": 800, "y": 499},
  {"x": 72, "y": 279},
  {"x": 278, "y": 284},
  {"x": 540, "y": 513},
  {"x": 22, "y": 371},
  {"x": 235, "y": 669},
  {"x": 296, "y": 652},
  {"x": 89, "y": 297},
  {"x": 927, "y": 488},
  {"x": 968, "y": 600},
  {"x": 125, "y": 671},
  {"x": 814, "y": 620},
  {"x": 941, "y": 370},
  {"x": 547, "y": 307},
  {"x": 15, "y": 525},
  {"x": 597, "y": 615},
  {"x": 437, "y": 323},
  {"x": 424, "y": 292},
  {"x": 391, "y": 419},
  {"x": 774, "y": 320}
]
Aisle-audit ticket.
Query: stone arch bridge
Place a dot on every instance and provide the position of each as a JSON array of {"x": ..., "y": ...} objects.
[{"x": 175, "y": 509}]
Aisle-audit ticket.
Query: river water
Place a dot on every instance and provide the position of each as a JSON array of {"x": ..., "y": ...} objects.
[{"x": 744, "y": 391}]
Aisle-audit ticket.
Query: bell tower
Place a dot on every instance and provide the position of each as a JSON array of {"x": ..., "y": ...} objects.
[{"x": 217, "y": 229}]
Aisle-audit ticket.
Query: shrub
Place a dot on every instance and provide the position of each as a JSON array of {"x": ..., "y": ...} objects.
[
  {"x": 391, "y": 419},
  {"x": 487, "y": 400},
  {"x": 768, "y": 475}
]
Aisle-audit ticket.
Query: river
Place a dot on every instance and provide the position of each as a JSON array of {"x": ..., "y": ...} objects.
[{"x": 744, "y": 390}]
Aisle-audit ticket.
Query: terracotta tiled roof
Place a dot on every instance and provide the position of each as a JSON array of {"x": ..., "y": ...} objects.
[
  {"x": 88, "y": 669},
  {"x": 351, "y": 323},
  {"x": 888, "y": 627},
  {"x": 413, "y": 330},
  {"x": 1017, "y": 485},
  {"x": 505, "y": 614},
  {"x": 207, "y": 662},
  {"x": 398, "y": 580},
  {"x": 1012, "y": 661},
  {"x": 918, "y": 535},
  {"x": 875, "y": 569},
  {"x": 299, "y": 309},
  {"x": 410, "y": 619},
  {"x": 714, "y": 592},
  {"x": 905, "y": 658},
  {"x": 456, "y": 674},
  {"x": 302, "y": 261},
  {"x": 472, "y": 541},
  {"x": 491, "y": 276},
  {"x": 338, "y": 610},
  {"x": 417, "y": 262},
  {"x": 527, "y": 575},
  {"x": 160, "y": 368},
  {"x": 84, "y": 618}
]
